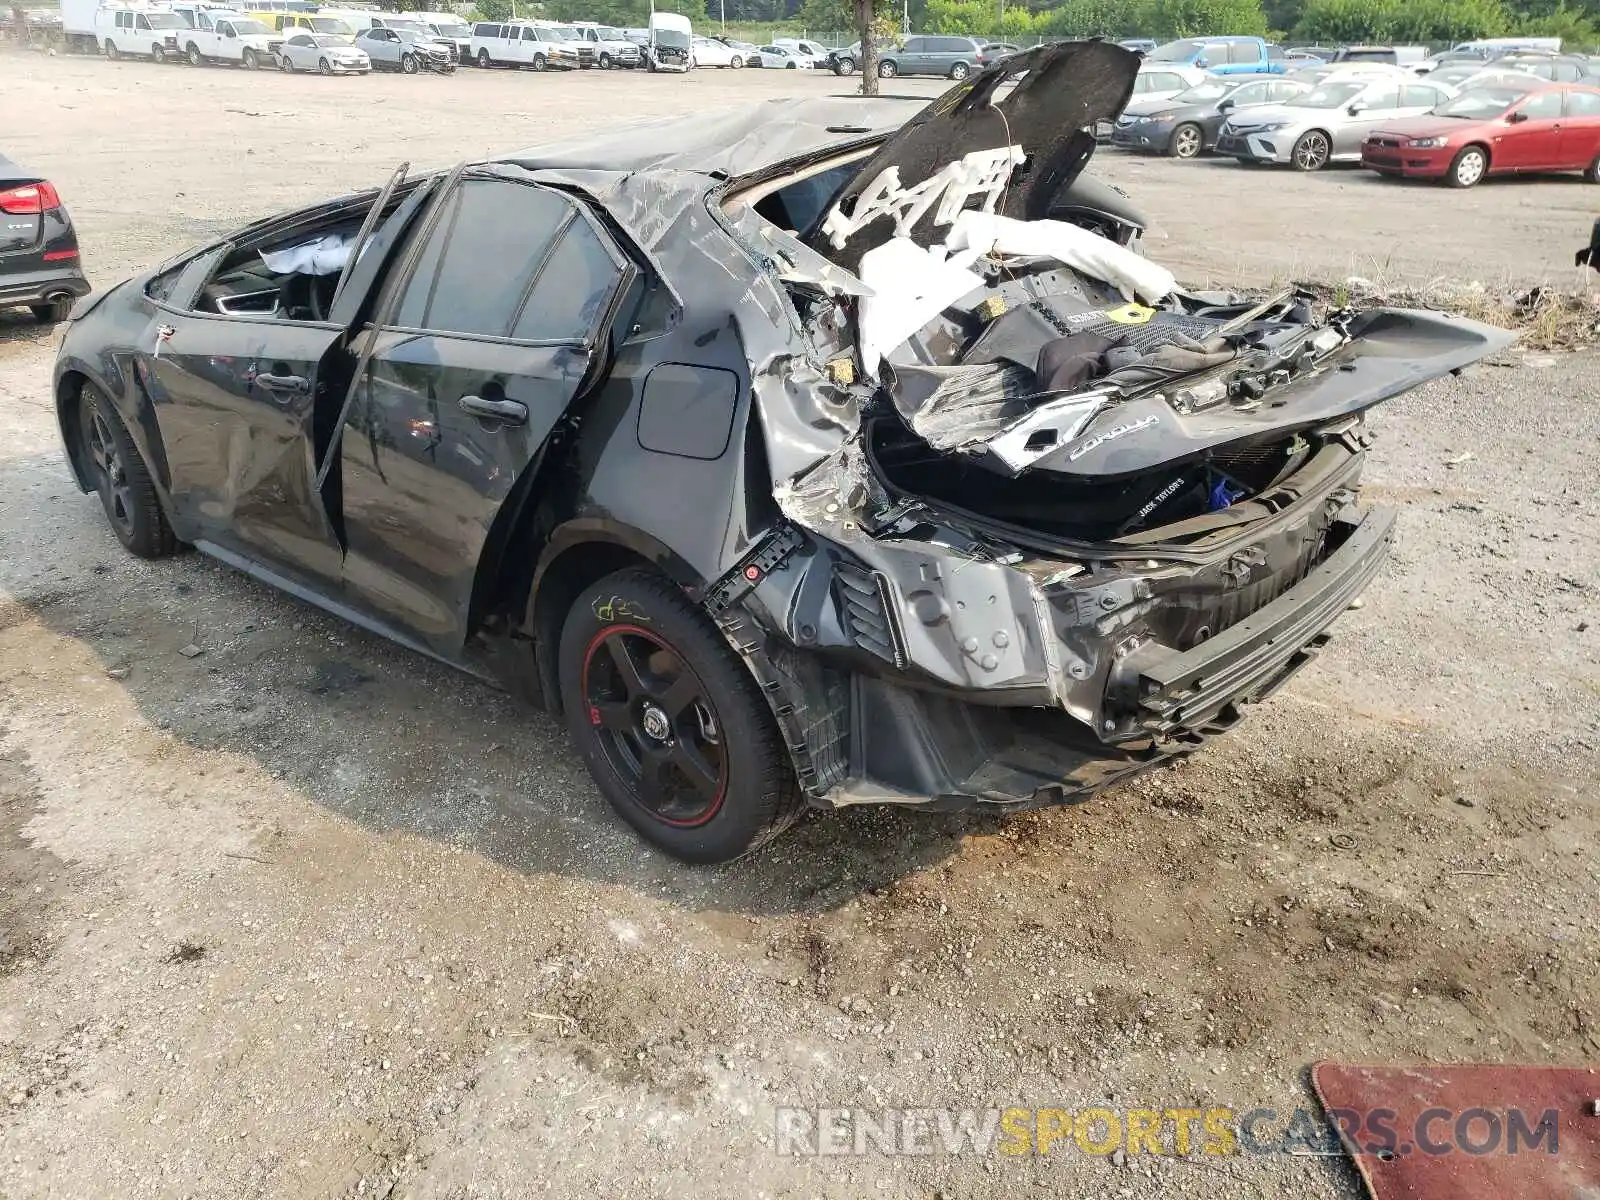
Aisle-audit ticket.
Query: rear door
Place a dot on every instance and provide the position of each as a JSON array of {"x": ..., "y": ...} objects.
[
  {"x": 484, "y": 337},
  {"x": 1532, "y": 142},
  {"x": 1580, "y": 130}
]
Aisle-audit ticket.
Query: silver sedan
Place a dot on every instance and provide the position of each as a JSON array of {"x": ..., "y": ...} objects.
[
  {"x": 1327, "y": 124},
  {"x": 325, "y": 53}
]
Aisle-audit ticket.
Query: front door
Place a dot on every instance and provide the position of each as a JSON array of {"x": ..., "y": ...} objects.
[
  {"x": 484, "y": 337},
  {"x": 1531, "y": 140}
]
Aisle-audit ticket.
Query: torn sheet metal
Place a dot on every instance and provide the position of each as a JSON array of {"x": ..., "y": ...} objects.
[
  {"x": 1059, "y": 92},
  {"x": 1134, "y": 275}
]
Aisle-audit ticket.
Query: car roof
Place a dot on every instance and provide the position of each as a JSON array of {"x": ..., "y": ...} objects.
[{"x": 739, "y": 141}]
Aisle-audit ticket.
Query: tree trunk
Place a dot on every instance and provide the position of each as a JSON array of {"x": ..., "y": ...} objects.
[{"x": 869, "y": 47}]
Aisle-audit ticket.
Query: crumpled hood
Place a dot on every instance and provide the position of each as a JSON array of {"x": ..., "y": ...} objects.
[{"x": 1060, "y": 92}]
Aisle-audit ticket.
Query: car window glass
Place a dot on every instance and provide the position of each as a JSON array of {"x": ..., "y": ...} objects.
[
  {"x": 1583, "y": 104},
  {"x": 1385, "y": 98},
  {"x": 466, "y": 280},
  {"x": 1254, "y": 94},
  {"x": 1418, "y": 97},
  {"x": 1567, "y": 73},
  {"x": 1542, "y": 107},
  {"x": 1243, "y": 52},
  {"x": 572, "y": 289}
]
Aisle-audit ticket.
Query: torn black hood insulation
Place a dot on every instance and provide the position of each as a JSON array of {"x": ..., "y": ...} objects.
[{"x": 1059, "y": 92}]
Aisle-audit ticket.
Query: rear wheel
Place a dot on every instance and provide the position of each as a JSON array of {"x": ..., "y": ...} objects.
[
  {"x": 1311, "y": 152},
  {"x": 673, "y": 728},
  {"x": 122, "y": 479},
  {"x": 484, "y": 60},
  {"x": 196, "y": 59},
  {"x": 1593, "y": 173},
  {"x": 408, "y": 63},
  {"x": 960, "y": 71},
  {"x": 1187, "y": 141},
  {"x": 887, "y": 70},
  {"x": 1468, "y": 168}
]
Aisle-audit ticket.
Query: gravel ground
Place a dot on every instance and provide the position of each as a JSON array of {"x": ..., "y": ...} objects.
[{"x": 304, "y": 915}]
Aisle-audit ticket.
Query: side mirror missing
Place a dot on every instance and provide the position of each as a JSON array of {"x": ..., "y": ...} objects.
[{"x": 1225, "y": 106}]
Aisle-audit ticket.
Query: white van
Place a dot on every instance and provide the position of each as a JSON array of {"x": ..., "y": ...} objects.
[
  {"x": 816, "y": 51},
  {"x": 152, "y": 33},
  {"x": 670, "y": 37},
  {"x": 521, "y": 44}
]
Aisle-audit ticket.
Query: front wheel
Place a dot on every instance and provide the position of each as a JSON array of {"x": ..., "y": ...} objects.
[
  {"x": 960, "y": 71},
  {"x": 673, "y": 728},
  {"x": 887, "y": 70},
  {"x": 539, "y": 62},
  {"x": 408, "y": 63},
  {"x": 324, "y": 67},
  {"x": 737, "y": 62},
  {"x": 251, "y": 62},
  {"x": 285, "y": 65},
  {"x": 158, "y": 54},
  {"x": 122, "y": 480},
  {"x": 1187, "y": 141},
  {"x": 1468, "y": 168},
  {"x": 605, "y": 62},
  {"x": 792, "y": 66},
  {"x": 844, "y": 66},
  {"x": 1311, "y": 152},
  {"x": 111, "y": 50}
]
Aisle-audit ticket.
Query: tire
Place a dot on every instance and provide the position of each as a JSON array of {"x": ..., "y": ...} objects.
[
  {"x": 1187, "y": 141},
  {"x": 737, "y": 62},
  {"x": 792, "y": 66},
  {"x": 887, "y": 69},
  {"x": 960, "y": 71},
  {"x": 1593, "y": 173},
  {"x": 605, "y": 62},
  {"x": 408, "y": 64},
  {"x": 196, "y": 59},
  {"x": 285, "y": 65},
  {"x": 121, "y": 479},
  {"x": 324, "y": 67},
  {"x": 1312, "y": 151},
  {"x": 1468, "y": 168},
  {"x": 844, "y": 66},
  {"x": 158, "y": 54},
  {"x": 111, "y": 50},
  {"x": 685, "y": 709},
  {"x": 51, "y": 314},
  {"x": 484, "y": 61},
  {"x": 251, "y": 62},
  {"x": 539, "y": 62}
]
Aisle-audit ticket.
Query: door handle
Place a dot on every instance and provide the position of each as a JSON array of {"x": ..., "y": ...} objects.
[
  {"x": 508, "y": 411},
  {"x": 284, "y": 383}
]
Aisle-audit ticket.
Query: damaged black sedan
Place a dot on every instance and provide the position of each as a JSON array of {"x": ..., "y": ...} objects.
[{"x": 821, "y": 453}]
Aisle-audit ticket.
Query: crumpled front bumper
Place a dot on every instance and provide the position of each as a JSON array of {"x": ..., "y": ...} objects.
[
  {"x": 1273, "y": 146},
  {"x": 908, "y": 666}
]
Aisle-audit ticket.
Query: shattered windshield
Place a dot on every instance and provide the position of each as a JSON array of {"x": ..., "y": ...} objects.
[
  {"x": 1181, "y": 51},
  {"x": 1329, "y": 95},
  {"x": 1480, "y": 104},
  {"x": 1204, "y": 93}
]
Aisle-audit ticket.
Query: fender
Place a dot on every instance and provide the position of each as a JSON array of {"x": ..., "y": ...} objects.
[{"x": 132, "y": 405}]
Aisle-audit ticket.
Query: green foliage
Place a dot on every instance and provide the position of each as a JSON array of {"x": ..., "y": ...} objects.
[
  {"x": 608, "y": 12},
  {"x": 1439, "y": 22}
]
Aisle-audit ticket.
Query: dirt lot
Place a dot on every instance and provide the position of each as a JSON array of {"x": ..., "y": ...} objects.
[{"x": 308, "y": 916}]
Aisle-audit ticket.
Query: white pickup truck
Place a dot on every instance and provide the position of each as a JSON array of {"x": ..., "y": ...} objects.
[{"x": 220, "y": 35}]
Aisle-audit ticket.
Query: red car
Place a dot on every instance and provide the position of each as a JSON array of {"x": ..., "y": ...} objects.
[{"x": 1494, "y": 130}]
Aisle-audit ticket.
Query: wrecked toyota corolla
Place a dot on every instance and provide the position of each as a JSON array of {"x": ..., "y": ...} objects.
[{"x": 825, "y": 452}]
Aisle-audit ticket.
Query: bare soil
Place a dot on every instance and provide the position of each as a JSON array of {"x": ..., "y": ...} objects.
[{"x": 306, "y": 915}]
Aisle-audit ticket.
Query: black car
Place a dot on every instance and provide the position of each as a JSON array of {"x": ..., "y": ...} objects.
[
  {"x": 767, "y": 541},
  {"x": 1186, "y": 125},
  {"x": 39, "y": 265}
]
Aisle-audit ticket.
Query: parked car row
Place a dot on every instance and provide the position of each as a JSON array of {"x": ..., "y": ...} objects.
[{"x": 1385, "y": 118}]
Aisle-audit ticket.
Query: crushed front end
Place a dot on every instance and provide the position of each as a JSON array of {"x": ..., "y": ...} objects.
[{"x": 1079, "y": 517}]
